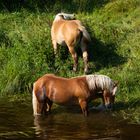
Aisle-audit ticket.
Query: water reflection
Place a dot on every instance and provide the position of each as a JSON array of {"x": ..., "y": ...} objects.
[
  {"x": 130, "y": 132},
  {"x": 75, "y": 126},
  {"x": 17, "y": 123}
]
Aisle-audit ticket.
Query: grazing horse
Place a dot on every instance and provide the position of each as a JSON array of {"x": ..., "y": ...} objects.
[
  {"x": 68, "y": 91},
  {"x": 66, "y": 31}
]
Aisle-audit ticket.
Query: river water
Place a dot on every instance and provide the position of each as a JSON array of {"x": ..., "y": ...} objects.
[{"x": 18, "y": 123}]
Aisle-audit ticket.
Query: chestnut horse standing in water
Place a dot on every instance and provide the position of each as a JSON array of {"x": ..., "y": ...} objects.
[
  {"x": 66, "y": 31},
  {"x": 68, "y": 91}
]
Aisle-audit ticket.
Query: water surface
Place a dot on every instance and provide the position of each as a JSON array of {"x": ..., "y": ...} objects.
[{"x": 17, "y": 123}]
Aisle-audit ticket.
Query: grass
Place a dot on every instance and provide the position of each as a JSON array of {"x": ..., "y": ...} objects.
[{"x": 114, "y": 25}]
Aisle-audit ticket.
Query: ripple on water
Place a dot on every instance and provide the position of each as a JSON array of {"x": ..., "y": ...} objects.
[{"x": 17, "y": 122}]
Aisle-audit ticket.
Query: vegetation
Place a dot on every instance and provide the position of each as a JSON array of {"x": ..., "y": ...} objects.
[{"x": 26, "y": 51}]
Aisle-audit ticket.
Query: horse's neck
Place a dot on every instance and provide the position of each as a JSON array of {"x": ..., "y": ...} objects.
[
  {"x": 98, "y": 81},
  {"x": 91, "y": 82}
]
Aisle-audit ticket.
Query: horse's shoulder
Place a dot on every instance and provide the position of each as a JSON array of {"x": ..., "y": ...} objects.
[
  {"x": 81, "y": 82},
  {"x": 82, "y": 90}
]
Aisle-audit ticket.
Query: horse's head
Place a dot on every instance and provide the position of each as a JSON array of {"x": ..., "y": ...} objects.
[
  {"x": 65, "y": 16},
  {"x": 109, "y": 98}
]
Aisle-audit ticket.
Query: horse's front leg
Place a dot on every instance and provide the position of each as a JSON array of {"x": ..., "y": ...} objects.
[
  {"x": 74, "y": 56},
  {"x": 84, "y": 107},
  {"x": 107, "y": 99}
]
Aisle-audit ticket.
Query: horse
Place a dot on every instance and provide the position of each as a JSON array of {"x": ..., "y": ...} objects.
[
  {"x": 66, "y": 31},
  {"x": 80, "y": 90}
]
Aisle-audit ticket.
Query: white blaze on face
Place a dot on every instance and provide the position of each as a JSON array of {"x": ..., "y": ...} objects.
[{"x": 114, "y": 90}]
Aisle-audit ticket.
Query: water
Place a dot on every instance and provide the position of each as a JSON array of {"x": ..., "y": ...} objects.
[{"x": 17, "y": 123}]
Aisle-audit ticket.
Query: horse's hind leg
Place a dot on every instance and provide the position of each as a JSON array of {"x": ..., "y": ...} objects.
[
  {"x": 54, "y": 46},
  {"x": 74, "y": 56},
  {"x": 85, "y": 56}
]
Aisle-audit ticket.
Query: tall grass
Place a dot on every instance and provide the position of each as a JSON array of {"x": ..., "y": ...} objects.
[{"x": 26, "y": 51}]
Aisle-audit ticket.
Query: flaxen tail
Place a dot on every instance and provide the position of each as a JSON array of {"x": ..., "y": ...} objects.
[
  {"x": 34, "y": 103},
  {"x": 38, "y": 100},
  {"x": 84, "y": 31}
]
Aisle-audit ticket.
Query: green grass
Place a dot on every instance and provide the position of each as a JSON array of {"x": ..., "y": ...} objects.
[{"x": 114, "y": 25}]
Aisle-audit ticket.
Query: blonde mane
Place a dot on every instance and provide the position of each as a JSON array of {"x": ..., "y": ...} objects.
[
  {"x": 99, "y": 81},
  {"x": 64, "y": 16}
]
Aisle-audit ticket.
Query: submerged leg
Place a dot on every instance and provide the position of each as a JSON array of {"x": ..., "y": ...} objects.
[
  {"x": 107, "y": 99},
  {"x": 83, "y": 105}
]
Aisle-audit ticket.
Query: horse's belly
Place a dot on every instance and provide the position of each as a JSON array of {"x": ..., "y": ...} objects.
[
  {"x": 65, "y": 100},
  {"x": 68, "y": 103}
]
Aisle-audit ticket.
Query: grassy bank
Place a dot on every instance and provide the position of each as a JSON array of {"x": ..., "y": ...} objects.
[{"x": 26, "y": 52}]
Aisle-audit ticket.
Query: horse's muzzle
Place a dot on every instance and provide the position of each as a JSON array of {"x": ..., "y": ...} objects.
[{"x": 109, "y": 106}]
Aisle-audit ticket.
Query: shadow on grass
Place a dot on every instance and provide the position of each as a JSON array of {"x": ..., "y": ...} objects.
[
  {"x": 4, "y": 39},
  {"x": 100, "y": 55},
  {"x": 104, "y": 55}
]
